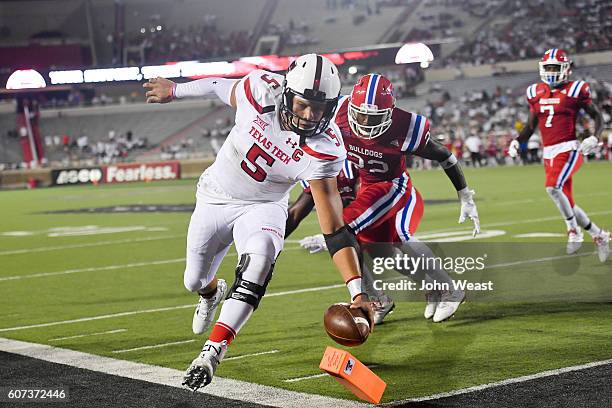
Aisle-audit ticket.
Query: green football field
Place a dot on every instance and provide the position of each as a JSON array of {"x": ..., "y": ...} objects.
[{"x": 111, "y": 284}]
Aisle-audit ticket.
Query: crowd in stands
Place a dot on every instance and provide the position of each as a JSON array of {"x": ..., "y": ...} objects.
[
  {"x": 534, "y": 26},
  {"x": 293, "y": 33},
  {"x": 211, "y": 140},
  {"x": 436, "y": 24},
  {"x": 160, "y": 43},
  {"x": 112, "y": 149}
]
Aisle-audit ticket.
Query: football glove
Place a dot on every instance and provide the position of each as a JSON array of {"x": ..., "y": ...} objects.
[
  {"x": 468, "y": 209},
  {"x": 589, "y": 145},
  {"x": 513, "y": 149},
  {"x": 314, "y": 244}
]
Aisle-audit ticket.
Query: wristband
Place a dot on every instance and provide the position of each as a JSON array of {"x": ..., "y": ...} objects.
[
  {"x": 354, "y": 287},
  {"x": 449, "y": 162},
  {"x": 174, "y": 91}
]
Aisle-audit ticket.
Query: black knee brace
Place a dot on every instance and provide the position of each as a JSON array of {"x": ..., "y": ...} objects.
[{"x": 259, "y": 290}]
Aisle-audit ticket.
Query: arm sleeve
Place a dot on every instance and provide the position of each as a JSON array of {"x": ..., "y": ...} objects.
[{"x": 220, "y": 86}]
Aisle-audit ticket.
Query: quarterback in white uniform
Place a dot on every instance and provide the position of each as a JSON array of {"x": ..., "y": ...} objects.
[{"x": 282, "y": 135}]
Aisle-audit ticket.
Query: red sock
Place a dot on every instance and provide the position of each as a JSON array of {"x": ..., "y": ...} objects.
[{"x": 222, "y": 332}]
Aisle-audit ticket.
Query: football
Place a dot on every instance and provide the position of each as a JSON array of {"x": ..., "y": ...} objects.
[{"x": 346, "y": 326}]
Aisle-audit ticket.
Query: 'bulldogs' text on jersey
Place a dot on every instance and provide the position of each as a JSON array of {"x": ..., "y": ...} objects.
[{"x": 383, "y": 158}]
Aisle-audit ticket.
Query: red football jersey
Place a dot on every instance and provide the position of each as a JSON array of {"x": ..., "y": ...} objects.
[
  {"x": 557, "y": 109},
  {"x": 383, "y": 158}
]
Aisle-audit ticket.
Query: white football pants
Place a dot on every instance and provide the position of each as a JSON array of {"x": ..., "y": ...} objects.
[{"x": 256, "y": 229}]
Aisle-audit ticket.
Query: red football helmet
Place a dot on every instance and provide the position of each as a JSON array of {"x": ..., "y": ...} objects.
[
  {"x": 557, "y": 58},
  {"x": 371, "y": 105}
]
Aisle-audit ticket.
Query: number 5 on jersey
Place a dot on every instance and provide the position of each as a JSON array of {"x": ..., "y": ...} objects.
[
  {"x": 251, "y": 167},
  {"x": 551, "y": 112}
]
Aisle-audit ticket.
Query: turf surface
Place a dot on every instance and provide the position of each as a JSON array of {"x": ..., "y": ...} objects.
[{"x": 62, "y": 267}]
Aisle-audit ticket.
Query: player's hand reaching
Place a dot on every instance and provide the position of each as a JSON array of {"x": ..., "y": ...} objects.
[
  {"x": 160, "y": 90},
  {"x": 589, "y": 145},
  {"x": 314, "y": 243},
  {"x": 468, "y": 209},
  {"x": 513, "y": 149},
  {"x": 362, "y": 302}
]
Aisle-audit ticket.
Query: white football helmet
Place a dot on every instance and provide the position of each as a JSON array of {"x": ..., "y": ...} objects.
[
  {"x": 562, "y": 67},
  {"x": 314, "y": 80}
]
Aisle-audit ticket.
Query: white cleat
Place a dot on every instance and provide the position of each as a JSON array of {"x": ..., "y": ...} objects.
[
  {"x": 450, "y": 300},
  {"x": 432, "y": 297},
  {"x": 201, "y": 371},
  {"x": 206, "y": 308},
  {"x": 602, "y": 242},
  {"x": 574, "y": 240},
  {"x": 382, "y": 308}
]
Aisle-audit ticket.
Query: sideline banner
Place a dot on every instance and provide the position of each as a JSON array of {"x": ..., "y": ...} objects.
[{"x": 123, "y": 173}]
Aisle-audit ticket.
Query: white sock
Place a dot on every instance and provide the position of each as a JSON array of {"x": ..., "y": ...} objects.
[
  {"x": 235, "y": 313},
  {"x": 585, "y": 222},
  {"x": 571, "y": 223}
]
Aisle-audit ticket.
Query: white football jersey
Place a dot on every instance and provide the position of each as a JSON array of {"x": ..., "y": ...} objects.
[{"x": 260, "y": 162}]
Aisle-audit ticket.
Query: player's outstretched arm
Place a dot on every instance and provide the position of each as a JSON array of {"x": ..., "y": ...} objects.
[
  {"x": 162, "y": 90},
  {"x": 433, "y": 150},
  {"x": 298, "y": 211},
  {"x": 341, "y": 242}
]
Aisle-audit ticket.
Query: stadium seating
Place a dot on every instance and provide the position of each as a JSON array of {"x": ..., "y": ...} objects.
[{"x": 302, "y": 24}]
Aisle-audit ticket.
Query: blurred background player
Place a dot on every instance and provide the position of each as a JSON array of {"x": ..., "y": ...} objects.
[
  {"x": 554, "y": 104},
  {"x": 387, "y": 208},
  {"x": 282, "y": 134}
]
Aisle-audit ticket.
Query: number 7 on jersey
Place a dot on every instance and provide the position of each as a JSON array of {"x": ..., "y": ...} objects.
[{"x": 551, "y": 112}]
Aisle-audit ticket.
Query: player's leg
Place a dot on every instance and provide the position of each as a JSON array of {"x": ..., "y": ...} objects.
[
  {"x": 259, "y": 236},
  {"x": 441, "y": 304},
  {"x": 208, "y": 240},
  {"x": 376, "y": 203},
  {"x": 601, "y": 237},
  {"x": 558, "y": 177}
]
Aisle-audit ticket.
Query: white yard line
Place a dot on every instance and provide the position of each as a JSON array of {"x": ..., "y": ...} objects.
[
  {"x": 251, "y": 355},
  {"x": 220, "y": 387},
  {"x": 107, "y": 268},
  {"x": 307, "y": 377},
  {"x": 93, "y": 269},
  {"x": 514, "y": 222},
  {"x": 86, "y": 245},
  {"x": 310, "y": 377},
  {"x": 543, "y": 374},
  {"x": 78, "y": 336},
  {"x": 161, "y": 309},
  {"x": 154, "y": 346}
]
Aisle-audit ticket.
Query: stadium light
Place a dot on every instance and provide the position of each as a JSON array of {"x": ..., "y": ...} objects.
[
  {"x": 25, "y": 79},
  {"x": 414, "y": 52}
]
